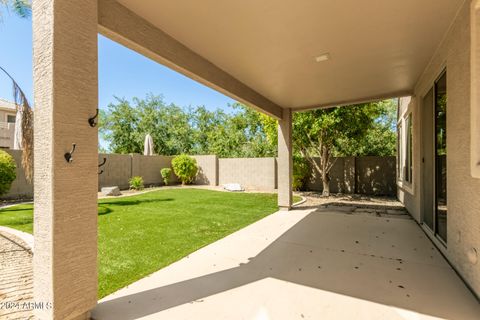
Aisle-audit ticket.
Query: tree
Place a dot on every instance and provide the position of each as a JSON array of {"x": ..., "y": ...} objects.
[
  {"x": 380, "y": 139},
  {"x": 126, "y": 124},
  {"x": 119, "y": 126},
  {"x": 327, "y": 133},
  {"x": 177, "y": 130},
  {"x": 365, "y": 129},
  {"x": 22, "y": 8}
]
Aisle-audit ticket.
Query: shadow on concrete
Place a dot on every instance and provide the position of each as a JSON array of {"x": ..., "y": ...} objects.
[
  {"x": 121, "y": 202},
  {"x": 323, "y": 251}
]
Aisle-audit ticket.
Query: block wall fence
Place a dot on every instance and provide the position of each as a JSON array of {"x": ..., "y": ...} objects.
[{"x": 364, "y": 175}]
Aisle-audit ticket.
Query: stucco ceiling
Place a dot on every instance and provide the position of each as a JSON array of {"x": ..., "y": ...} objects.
[{"x": 377, "y": 47}]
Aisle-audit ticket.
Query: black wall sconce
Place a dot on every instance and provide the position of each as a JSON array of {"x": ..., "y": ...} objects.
[
  {"x": 92, "y": 121},
  {"x": 69, "y": 155}
]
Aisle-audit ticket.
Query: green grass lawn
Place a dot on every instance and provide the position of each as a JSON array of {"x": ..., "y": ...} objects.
[{"x": 141, "y": 234}]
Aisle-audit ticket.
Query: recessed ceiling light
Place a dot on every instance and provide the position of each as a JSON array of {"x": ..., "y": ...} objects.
[{"x": 323, "y": 57}]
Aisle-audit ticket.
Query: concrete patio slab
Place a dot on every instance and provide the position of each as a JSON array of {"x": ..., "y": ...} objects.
[
  {"x": 304, "y": 264},
  {"x": 16, "y": 281}
]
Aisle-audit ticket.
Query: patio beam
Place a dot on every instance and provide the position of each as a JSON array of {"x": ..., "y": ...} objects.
[
  {"x": 285, "y": 161},
  {"x": 125, "y": 27},
  {"x": 65, "y": 35},
  {"x": 343, "y": 103}
]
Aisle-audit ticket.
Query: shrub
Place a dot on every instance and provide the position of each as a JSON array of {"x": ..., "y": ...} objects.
[
  {"x": 185, "y": 168},
  {"x": 136, "y": 183},
  {"x": 7, "y": 172},
  {"x": 301, "y": 173},
  {"x": 166, "y": 172}
]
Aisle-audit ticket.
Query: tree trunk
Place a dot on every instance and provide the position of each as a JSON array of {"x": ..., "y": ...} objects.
[
  {"x": 326, "y": 184},
  {"x": 324, "y": 158}
]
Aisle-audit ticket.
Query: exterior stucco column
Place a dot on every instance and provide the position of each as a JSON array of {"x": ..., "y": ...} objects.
[
  {"x": 65, "y": 220},
  {"x": 285, "y": 161}
]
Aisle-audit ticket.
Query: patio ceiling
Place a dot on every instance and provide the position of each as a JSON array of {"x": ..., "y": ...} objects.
[{"x": 377, "y": 49}]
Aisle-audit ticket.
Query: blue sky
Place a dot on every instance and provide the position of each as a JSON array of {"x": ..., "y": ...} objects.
[{"x": 122, "y": 72}]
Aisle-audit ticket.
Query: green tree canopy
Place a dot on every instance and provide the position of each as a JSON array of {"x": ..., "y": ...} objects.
[
  {"x": 177, "y": 130},
  {"x": 359, "y": 130}
]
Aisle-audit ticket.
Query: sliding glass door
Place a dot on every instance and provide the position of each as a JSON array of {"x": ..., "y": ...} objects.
[
  {"x": 441, "y": 156},
  {"x": 434, "y": 158}
]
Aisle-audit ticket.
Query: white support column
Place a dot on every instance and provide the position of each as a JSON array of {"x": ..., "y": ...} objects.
[
  {"x": 66, "y": 95},
  {"x": 285, "y": 161}
]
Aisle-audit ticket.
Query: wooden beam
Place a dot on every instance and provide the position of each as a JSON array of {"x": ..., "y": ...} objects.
[{"x": 127, "y": 28}]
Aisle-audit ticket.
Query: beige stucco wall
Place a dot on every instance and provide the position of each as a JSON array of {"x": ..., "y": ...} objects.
[
  {"x": 463, "y": 235},
  {"x": 65, "y": 37},
  {"x": 259, "y": 173},
  {"x": 7, "y": 133},
  {"x": 7, "y": 130},
  {"x": 409, "y": 193}
]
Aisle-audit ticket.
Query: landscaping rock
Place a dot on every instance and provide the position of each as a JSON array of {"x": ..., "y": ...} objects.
[
  {"x": 111, "y": 191},
  {"x": 233, "y": 187}
]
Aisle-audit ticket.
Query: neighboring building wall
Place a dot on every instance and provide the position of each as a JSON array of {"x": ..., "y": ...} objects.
[
  {"x": 364, "y": 175},
  {"x": 259, "y": 173},
  {"x": 463, "y": 224},
  {"x": 7, "y": 130}
]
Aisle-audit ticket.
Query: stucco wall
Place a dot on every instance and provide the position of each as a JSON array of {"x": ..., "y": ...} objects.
[
  {"x": 463, "y": 224},
  {"x": 410, "y": 193},
  {"x": 257, "y": 173}
]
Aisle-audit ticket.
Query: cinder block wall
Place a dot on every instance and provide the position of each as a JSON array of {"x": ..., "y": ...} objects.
[
  {"x": 258, "y": 173},
  {"x": 148, "y": 167},
  {"x": 116, "y": 171},
  {"x": 364, "y": 175},
  {"x": 207, "y": 170},
  {"x": 367, "y": 175}
]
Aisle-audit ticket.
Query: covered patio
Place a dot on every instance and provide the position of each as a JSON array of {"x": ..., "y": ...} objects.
[
  {"x": 309, "y": 263},
  {"x": 279, "y": 57}
]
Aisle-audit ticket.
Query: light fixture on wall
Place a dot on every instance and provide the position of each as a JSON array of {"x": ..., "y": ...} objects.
[{"x": 322, "y": 57}]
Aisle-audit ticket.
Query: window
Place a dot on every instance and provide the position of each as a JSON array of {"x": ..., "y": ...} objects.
[
  {"x": 405, "y": 149},
  {"x": 409, "y": 153},
  {"x": 10, "y": 119}
]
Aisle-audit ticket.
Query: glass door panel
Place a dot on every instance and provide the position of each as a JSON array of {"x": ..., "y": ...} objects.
[{"x": 441, "y": 157}]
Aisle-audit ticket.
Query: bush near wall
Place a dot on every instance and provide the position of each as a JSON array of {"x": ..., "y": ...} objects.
[
  {"x": 7, "y": 172},
  {"x": 363, "y": 175},
  {"x": 185, "y": 168}
]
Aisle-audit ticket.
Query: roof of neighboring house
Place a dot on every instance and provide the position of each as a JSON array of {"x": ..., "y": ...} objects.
[{"x": 6, "y": 105}]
